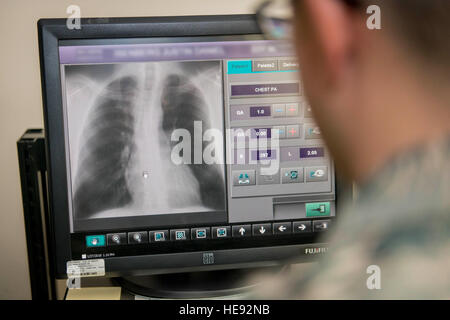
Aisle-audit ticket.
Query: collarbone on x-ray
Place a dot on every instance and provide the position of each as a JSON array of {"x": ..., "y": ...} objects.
[{"x": 121, "y": 163}]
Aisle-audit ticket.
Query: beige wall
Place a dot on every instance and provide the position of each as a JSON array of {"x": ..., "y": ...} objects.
[{"x": 20, "y": 100}]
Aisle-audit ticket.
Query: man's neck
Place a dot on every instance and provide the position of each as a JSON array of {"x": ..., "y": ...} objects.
[{"x": 404, "y": 111}]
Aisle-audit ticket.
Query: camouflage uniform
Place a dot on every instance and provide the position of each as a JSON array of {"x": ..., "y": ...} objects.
[{"x": 399, "y": 222}]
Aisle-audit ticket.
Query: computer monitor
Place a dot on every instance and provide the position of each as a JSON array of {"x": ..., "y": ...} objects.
[{"x": 179, "y": 144}]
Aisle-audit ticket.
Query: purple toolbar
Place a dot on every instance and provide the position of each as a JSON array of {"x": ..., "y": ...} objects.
[
  {"x": 260, "y": 111},
  {"x": 264, "y": 89},
  {"x": 173, "y": 51},
  {"x": 313, "y": 152},
  {"x": 263, "y": 133},
  {"x": 264, "y": 154}
]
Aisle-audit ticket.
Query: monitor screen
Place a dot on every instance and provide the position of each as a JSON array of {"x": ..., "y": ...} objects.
[
  {"x": 187, "y": 144},
  {"x": 123, "y": 121}
]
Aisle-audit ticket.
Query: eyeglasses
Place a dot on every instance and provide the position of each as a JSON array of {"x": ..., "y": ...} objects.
[{"x": 275, "y": 17}]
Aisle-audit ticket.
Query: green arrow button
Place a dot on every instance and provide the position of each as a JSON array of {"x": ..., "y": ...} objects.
[{"x": 318, "y": 209}]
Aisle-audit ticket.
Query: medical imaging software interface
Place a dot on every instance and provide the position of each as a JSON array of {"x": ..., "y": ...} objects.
[{"x": 189, "y": 140}]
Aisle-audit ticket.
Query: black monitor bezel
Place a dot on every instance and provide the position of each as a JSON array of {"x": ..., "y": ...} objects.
[{"x": 51, "y": 32}]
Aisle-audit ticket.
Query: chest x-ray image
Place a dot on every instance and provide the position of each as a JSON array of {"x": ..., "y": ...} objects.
[{"x": 120, "y": 118}]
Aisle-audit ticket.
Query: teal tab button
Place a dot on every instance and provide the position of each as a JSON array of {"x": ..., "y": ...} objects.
[
  {"x": 95, "y": 241},
  {"x": 318, "y": 209},
  {"x": 237, "y": 67}
]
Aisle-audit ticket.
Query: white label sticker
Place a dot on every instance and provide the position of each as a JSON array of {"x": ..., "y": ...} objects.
[{"x": 86, "y": 268}]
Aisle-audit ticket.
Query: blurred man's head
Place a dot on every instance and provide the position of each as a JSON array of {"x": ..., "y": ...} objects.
[{"x": 375, "y": 92}]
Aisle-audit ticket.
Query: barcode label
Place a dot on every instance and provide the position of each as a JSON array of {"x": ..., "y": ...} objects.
[{"x": 86, "y": 268}]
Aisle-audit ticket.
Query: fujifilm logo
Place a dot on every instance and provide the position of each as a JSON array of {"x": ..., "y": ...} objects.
[{"x": 316, "y": 250}]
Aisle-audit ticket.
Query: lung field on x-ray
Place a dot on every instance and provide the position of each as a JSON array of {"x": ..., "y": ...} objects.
[
  {"x": 120, "y": 120},
  {"x": 182, "y": 105}
]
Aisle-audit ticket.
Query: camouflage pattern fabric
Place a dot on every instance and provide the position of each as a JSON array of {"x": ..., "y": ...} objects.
[{"x": 400, "y": 222}]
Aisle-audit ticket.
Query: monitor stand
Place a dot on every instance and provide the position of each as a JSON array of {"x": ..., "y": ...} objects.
[{"x": 196, "y": 285}]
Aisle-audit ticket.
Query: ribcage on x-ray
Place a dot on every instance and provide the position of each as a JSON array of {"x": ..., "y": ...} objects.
[
  {"x": 119, "y": 148},
  {"x": 182, "y": 104},
  {"x": 108, "y": 143}
]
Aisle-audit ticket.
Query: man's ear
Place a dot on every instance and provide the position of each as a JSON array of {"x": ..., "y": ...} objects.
[{"x": 330, "y": 22}]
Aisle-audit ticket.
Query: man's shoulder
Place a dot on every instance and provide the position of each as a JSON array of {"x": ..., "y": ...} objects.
[{"x": 401, "y": 223}]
